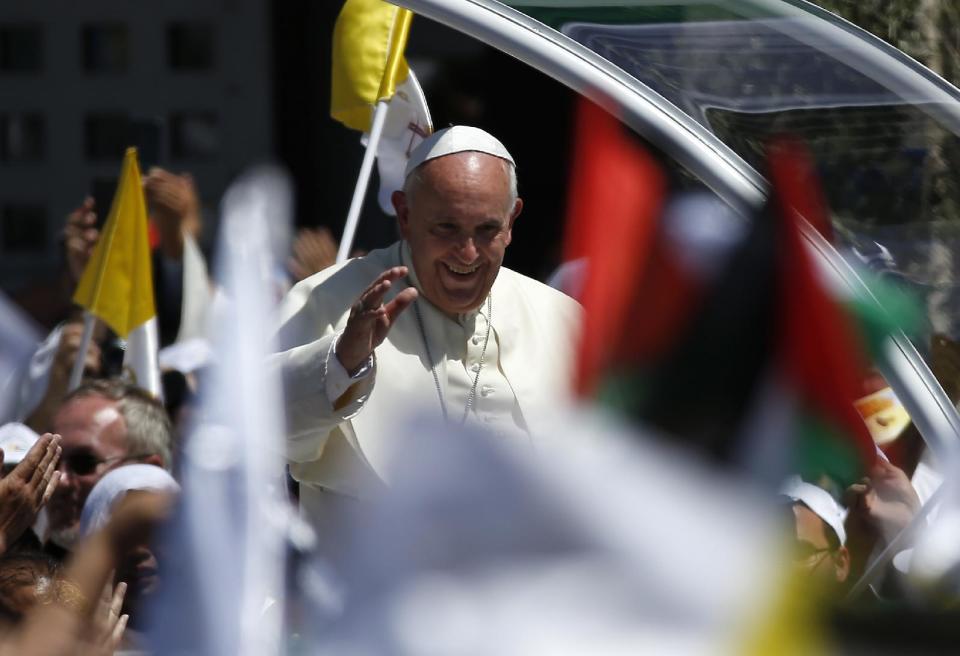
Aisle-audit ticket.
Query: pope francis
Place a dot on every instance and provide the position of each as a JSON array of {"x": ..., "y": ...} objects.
[{"x": 433, "y": 321}]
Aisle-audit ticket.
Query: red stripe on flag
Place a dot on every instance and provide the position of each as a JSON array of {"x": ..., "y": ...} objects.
[
  {"x": 822, "y": 355},
  {"x": 615, "y": 196}
]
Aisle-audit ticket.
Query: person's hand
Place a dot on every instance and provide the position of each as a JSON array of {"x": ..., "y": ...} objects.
[
  {"x": 313, "y": 250},
  {"x": 107, "y": 624},
  {"x": 371, "y": 320},
  {"x": 174, "y": 207},
  {"x": 60, "y": 369},
  {"x": 25, "y": 490},
  {"x": 885, "y": 501},
  {"x": 70, "y": 341},
  {"x": 80, "y": 237}
]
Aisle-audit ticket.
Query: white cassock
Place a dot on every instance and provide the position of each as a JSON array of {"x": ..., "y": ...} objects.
[{"x": 526, "y": 372}]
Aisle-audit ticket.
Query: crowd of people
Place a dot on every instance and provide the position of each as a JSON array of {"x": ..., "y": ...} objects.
[{"x": 433, "y": 321}]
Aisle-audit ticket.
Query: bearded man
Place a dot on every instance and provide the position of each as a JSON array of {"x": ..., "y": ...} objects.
[{"x": 431, "y": 321}]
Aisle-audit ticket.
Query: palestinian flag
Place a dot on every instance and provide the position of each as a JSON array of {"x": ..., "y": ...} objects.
[
  {"x": 711, "y": 326},
  {"x": 822, "y": 354}
]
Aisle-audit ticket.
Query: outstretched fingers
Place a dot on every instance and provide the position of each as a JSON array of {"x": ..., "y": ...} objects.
[
  {"x": 43, "y": 470},
  {"x": 27, "y": 468},
  {"x": 371, "y": 299},
  {"x": 370, "y": 320},
  {"x": 50, "y": 488},
  {"x": 400, "y": 302},
  {"x": 116, "y": 602},
  {"x": 117, "y": 636}
]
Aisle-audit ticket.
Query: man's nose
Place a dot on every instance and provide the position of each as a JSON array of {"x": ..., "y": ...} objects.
[{"x": 467, "y": 250}]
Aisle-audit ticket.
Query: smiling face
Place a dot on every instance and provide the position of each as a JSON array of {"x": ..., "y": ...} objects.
[
  {"x": 94, "y": 440},
  {"x": 457, "y": 214}
]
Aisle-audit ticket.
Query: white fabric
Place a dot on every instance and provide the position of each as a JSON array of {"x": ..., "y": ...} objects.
[
  {"x": 349, "y": 450},
  {"x": 456, "y": 139},
  {"x": 186, "y": 356},
  {"x": 339, "y": 380},
  {"x": 819, "y": 501},
  {"x": 607, "y": 543},
  {"x": 15, "y": 440},
  {"x": 197, "y": 293},
  {"x": 36, "y": 377},
  {"x": 115, "y": 485},
  {"x": 18, "y": 340},
  {"x": 140, "y": 360},
  {"x": 408, "y": 122},
  {"x": 462, "y": 342}
]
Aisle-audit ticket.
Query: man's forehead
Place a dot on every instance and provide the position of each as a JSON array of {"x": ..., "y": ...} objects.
[
  {"x": 91, "y": 412},
  {"x": 465, "y": 163},
  {"x": 809, "y": 525}
]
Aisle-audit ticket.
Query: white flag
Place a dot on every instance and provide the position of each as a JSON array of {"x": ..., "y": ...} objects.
[
  {"x": 408, "y": 123},
  {"x": 226, "y": 541}
]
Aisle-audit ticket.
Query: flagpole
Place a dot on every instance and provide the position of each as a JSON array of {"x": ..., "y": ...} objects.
[
  {"x": 363, "y": 181},
  {"x": 77, "y": 374}
]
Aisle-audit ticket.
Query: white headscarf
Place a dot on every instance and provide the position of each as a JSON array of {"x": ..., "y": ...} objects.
[{"x": 115, "y": 485}]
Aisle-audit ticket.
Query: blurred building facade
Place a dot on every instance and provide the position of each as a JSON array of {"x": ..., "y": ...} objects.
[{"x": 189, "y": 81}]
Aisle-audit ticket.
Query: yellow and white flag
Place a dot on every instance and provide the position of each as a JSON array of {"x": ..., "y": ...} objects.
[
  {"x": 117, "y": 284},
  {"x": 368, "y": 43}
]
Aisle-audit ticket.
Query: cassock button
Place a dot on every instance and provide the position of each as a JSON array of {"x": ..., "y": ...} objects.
[
  {"x": 475, "y": 368},
  {"x": 475, "y": 340},
  {"x": 486, "y": 391}
]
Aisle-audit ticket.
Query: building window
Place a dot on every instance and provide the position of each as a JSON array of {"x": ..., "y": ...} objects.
[
  {"x": 105, "y": 136},
  {"x": 194, "y": 135},
  {"x": 24, "y": 228},
  {"x": 105, "y": 48},
  {"x": 22, "y": 137},
  {"x": 190, "y": 46},
  {"x": 21, "y": 48}
]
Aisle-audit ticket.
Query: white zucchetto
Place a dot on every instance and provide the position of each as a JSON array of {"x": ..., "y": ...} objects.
[{"x": 456, "y": 139}]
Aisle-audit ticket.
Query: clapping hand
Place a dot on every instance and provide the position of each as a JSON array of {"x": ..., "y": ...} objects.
[
  {"x": 108, "y": 624},
  {"x": 25, "y": 490}
]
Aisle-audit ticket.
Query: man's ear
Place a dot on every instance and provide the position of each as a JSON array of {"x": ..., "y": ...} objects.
[
  {"x": 153, "y": 459},
  {"x": 841, "y": 564},
  {"x": 399, "y": 200},
  {"x": 517, "y": 208}
]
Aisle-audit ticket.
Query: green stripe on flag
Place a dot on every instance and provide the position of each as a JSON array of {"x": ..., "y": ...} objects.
[
  {"x": 821, "y": 449},
  {"x": 897, "y": 311}
]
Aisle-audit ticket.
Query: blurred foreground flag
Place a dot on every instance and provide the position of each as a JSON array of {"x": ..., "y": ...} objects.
[
  {"x": 117, "y": 285},
  {"x": 822, "y": 353},
  {"x": 368, "y": 42},
  {"x": 18, "y": 341},
  {"x": 710, "y": 324},
  {"x": 612, "y": 545},
  {"x": 225, "y": 595},
  {"x": 615, "y": 198}
]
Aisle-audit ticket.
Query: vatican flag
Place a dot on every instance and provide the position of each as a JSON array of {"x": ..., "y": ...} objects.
[
  {"x": 117, "y": 284},
  {"x": 368, "y": 42}
]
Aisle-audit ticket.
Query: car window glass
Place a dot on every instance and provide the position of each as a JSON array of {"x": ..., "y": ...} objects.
[{"x": 748, "y": 70}]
